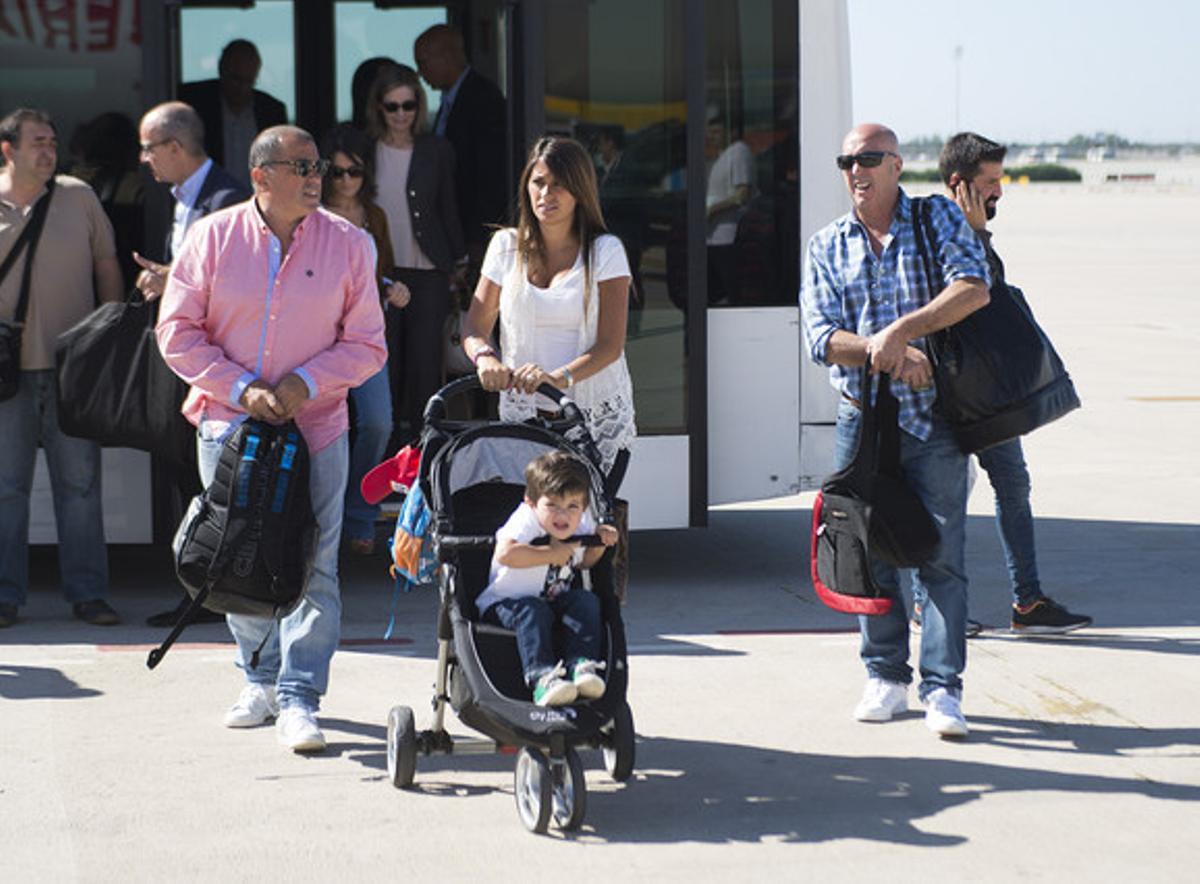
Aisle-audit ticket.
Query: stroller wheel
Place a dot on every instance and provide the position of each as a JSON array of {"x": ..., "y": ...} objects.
[
  {"x": 401, "y": 747},
  {"x": 532, "y": 788},
  {"x": 570, "y": 793},
  {"x": 619, "y": 748}
]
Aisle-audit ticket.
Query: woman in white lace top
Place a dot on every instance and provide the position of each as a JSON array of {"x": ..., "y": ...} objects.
[{"x": 559, "y": 284}]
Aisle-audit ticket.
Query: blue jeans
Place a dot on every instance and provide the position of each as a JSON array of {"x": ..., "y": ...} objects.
[
  {"x": 298, "y": 651},
  {"x": 372, "y": 429},
  {"x": 1005, "y": 467},
  {"x": 937, "y": 471},
  {"x": 30, "y": 417},
  {"x": 533, "y": 618}
]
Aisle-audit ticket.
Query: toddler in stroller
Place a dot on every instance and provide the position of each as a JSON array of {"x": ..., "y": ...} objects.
[
  {"x": 536, "y": 588},
  {"x": 473, "y": 476}
]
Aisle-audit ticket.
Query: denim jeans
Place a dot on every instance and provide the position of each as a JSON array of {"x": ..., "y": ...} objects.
[
  {"x": 299, "y": 648},
  {"x": 1006, "y": 470},
  {"x": 1005, "y": 466},
  {"x": 937, "y": 471},
  {"x": 533, "y": 618},
  {"x": 372, "y": 428},
  {"x": 30, "y": 417}
]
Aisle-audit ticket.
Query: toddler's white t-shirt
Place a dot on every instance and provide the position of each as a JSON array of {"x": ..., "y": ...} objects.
[{"x": 505, "y": 582}]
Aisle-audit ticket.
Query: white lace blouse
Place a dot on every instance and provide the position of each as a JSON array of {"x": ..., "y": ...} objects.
[{"x": 532, "y": 321}]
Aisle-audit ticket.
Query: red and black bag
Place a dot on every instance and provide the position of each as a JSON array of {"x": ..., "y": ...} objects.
[{"x": 867, "y": 509}]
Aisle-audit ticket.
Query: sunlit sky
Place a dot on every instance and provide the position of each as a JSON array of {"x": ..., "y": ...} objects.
[{"x": 1030, "y": 70}]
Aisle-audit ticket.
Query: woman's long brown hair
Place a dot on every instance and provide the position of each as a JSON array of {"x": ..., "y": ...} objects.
[{"x": 571, "y": 167}]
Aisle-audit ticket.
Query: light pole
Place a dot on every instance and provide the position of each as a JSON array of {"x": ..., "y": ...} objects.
[{"x": 958, "y": 54}]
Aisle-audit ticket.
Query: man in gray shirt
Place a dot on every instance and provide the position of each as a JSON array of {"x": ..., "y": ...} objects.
[{"x": 76, "y": 246}]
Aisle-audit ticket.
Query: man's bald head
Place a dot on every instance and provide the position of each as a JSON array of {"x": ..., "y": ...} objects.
[
  {"x": 440, "y": 55},
  {"x": 177, "y": 121},
  {"x": 871, "y": 167},
  {"x": 870, "y": 136},
  {"x": 271, "y": 144}
]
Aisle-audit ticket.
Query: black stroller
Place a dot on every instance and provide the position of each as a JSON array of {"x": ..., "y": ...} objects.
[{"x": 472, "y": 475}]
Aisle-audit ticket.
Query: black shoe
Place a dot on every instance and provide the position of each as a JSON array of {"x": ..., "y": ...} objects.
[
  {"x": 171, "y": 617},
  {"x": 8, "y": 615},
  {"x": 96, "y": 612},
  {"x": 1046, "y": 617}
]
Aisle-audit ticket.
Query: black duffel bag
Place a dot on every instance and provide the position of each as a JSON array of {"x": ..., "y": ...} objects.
[
  {"x": 114, "y": 387},
  {"x": 866, "y": 509},
  {"x": 997, "y": 374}
]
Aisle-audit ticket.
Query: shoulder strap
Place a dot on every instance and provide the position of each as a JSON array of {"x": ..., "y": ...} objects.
[
  {"x": 936, "y": 342},
  {"x": 865, "y": 461},
  {"x": 887, "y": 409},
  {"x": 920, "y": 210},
  {"x": 30, "y": 235},
  {"x": 286, "y": 471}
]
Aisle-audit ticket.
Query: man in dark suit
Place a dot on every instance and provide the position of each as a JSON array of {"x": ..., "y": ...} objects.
[
  {"x": 172, "y": 143},
  {"x": 233, "y": 111},
  {"x": 472, "y": 117}
]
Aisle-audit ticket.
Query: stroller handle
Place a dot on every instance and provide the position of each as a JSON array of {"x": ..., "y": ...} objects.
[
  {"x": 581, "y": 539},
  {"x": 435, "y": 408},
  {"x": 487, "y": 541}
]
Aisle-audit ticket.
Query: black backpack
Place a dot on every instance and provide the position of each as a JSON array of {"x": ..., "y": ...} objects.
[
  {"x": 246, "y": 544},
  {"x": 868, "y": 509}
]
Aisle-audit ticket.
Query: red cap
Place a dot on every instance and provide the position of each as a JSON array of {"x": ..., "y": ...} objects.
[{"x": 397, "y": 473}]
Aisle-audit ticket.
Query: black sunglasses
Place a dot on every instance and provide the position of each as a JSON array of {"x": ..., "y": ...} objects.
[
  {"x": 346, "y": 171},
  {"x": 303, "y": 168},
  {"x": 392, "y": 106},
  {"x": 868, "y": 159}
]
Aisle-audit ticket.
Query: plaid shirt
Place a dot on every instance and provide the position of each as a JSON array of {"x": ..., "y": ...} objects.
[{"x": 846, "y": 287}]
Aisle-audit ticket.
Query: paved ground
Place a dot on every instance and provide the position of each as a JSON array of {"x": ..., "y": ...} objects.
[{"x": 1084, "y": 756}]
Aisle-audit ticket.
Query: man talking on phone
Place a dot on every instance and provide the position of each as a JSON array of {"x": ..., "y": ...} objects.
[{"x": 972, "y": 168}]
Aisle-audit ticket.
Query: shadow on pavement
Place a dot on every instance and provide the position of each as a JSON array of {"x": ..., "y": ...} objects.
[
  {"x": 39, "y": 683},
  {"x": 748, "y": 571},
  {"x": 713, "y": 792}
]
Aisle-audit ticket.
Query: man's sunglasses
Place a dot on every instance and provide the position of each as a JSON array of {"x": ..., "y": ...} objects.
[
  {"x": 867, "y": 159},
  {"x": 303, "y": 168},
  {"x": 346, "y": 171},
  {"x": 407, "y": 106}
]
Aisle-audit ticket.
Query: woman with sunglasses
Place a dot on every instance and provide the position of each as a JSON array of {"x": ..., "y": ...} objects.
[
  {"x": 348, "y": 189},
  {"x": 414, "y": 171}
]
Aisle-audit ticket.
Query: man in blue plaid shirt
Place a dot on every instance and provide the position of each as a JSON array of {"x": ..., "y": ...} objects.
[{"x": 865, "y": 299}]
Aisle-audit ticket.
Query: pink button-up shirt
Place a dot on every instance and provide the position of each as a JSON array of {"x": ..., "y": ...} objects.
[{"x": 235, "y": 309}]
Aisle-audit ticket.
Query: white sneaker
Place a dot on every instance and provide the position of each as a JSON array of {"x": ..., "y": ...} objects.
[
  {"x": 255, "y": 705},
  {"x": 553, "y": 689},
  {"x": 881, "y": 700},
  {"x": 297, "y": 729},
  {"x": 943, "y": 715},
  {"x": 587, "y": 680}
]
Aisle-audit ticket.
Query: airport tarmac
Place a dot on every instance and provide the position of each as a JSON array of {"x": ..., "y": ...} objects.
[{"x": 1084, "y": 754}]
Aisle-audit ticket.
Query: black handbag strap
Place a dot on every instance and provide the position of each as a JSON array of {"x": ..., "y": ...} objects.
[
  {"x": 29, "y": 236},
  {"x": 920, "y": 227}
]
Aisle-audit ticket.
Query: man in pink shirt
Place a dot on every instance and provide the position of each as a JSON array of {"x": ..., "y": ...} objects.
[{"x": 271, "y": 310}]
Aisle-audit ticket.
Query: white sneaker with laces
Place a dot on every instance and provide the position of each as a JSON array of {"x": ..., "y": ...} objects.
[
  {"x": 553, "y": 689},
  {"x": 881, "y": 700},
  {"x": 255, "y": 705},
  {"x": 297, "y": 729},
  {"x": 585, "y": 674},
  {"x": 943, "y": 714}
]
